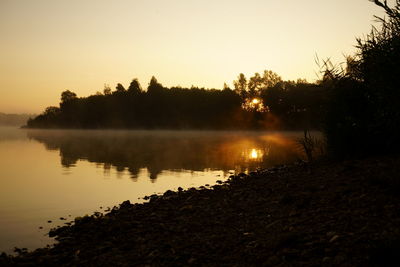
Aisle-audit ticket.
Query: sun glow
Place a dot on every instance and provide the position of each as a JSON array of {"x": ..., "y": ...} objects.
[
  {"x": 254, "y": 104},
  {"x": 254, "y": 154},
  {"x": 257, "y": 154}
]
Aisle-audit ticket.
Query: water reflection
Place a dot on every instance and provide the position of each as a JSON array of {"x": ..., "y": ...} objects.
[
  {"x": 158, "y": 151},
  {"x": 97, "y": 169},
  {"x": 257, "y": 154}
]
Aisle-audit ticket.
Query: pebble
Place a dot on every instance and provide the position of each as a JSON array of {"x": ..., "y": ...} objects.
[
  {"x": 326, "y": 259},
  {"x": 333, "y": 239},
  {"x": 330, "y": 234}
]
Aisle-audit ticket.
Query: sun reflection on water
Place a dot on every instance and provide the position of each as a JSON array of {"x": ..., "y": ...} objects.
[{"x": 254, "y": 154}]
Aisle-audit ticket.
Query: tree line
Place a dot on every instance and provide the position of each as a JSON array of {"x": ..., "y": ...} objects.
[{"x": 262, "y": 102}]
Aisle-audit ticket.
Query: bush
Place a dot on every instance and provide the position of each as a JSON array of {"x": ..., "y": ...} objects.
[{"x": 363, "y": 115}]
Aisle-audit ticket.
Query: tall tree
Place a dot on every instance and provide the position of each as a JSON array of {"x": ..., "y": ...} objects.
[
  {"x": 67, "y": 96},
  {"x": 154, "y": 86},
  {"x": 240, "y": 85},
  {"x": 120, "y": 88},
  {"x": 107, "y": 89},
  {"x": 255, "y": 84},
  {"x": 270, "y": 79},
  {"x": 135, "y": 87}
]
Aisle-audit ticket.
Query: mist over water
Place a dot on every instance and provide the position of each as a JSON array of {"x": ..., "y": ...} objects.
[
  {"x": 159, "y": 151},
  {"x": 48, "y": 174}
]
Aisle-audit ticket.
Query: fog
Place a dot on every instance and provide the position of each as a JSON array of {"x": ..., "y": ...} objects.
[{"x": 171, "y": 150}]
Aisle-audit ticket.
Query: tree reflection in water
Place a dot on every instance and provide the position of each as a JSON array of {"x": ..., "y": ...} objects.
[{"x": 159, "y": 151}]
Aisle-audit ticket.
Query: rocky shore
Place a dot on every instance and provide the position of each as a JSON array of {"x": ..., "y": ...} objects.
[{"x": 330, "y": 213}]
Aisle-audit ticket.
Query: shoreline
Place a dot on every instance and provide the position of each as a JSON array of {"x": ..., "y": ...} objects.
[{"x": 326, "y": 213}]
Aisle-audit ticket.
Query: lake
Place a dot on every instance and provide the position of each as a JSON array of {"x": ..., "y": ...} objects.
[{"x": 46, "y": 175}]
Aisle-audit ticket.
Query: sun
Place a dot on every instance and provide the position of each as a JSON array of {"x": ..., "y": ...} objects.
[{"x": 254, "y": 104}]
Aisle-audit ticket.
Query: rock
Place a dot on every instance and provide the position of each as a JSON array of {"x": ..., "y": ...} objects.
[
  {"x": 287, "y": 199},
  {"x": 169, "y": 193},
  {"x": 326, "y": 259},
  {"x": 191, "y": 261},
  {"x": 272, "y": 261},
  {"x": 125, "y": 204},
  {"x": 339, "y": 259},
  {"x": 330, "y": 234},
  {"x": 334, "y": 238},
  {"x": 186, "y": 208}
]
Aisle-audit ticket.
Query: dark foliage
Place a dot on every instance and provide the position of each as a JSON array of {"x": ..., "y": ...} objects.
[
  {"x": 363, "y": 115},
  {"x": 287, "y": 105},
  {"x": 298, "y": 105}
]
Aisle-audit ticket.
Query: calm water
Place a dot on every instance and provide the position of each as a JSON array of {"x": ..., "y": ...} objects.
[{"x": 48, "y": 174}]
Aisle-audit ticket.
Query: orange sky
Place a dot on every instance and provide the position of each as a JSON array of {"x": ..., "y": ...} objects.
[{"x": 48, "y": 46}]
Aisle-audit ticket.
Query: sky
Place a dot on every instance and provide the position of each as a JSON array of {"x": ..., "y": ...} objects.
[{"x": 48, "y": 46}]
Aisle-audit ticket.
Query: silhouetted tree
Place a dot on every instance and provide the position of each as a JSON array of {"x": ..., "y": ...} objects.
[
  {"x": 67, "y": 97},
  {"x": 255, "y": 85},
  {"x": 270, "y": 79},
  {"x": 120, "y": 88},
  {"x": 241, "y": 85},
  {"x": 134, "y": 87},
  {"x": 226, "y": 87},
  {"x": 154, "y": 86},
  {"x": 107, "y": 89}
]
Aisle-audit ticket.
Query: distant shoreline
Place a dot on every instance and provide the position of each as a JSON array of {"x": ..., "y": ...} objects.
[{"x": 14, "y": 120}]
